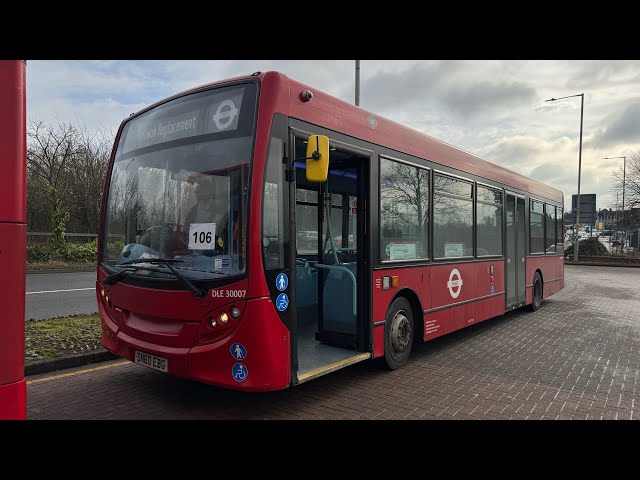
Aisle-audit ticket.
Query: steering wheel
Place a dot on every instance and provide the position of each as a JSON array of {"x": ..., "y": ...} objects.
[{"x": 156, "y": 237}]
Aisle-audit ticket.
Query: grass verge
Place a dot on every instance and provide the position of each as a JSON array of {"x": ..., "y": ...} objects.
[
  {"x": 58, "y": 337},
  {"x": 54, "y": 265}
]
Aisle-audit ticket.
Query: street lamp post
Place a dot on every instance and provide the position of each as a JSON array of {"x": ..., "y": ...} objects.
[
  {"x": 576, "y": 243},
  {"x": 358, "y": 83},
  {"x": 624, "y": 181}
]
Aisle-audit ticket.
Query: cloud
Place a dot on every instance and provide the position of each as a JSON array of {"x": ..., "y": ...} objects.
[
  {"x": 485, "y": 96},
  {"x": 96, "y": 115},
  {"x": 553, "y": 173},
  {"x": 623, "y": 129},
  {"x": 95, "y": 79},
  {"x": 590, "y": 73},
  {"x": 522, "y": 151},
  {"x": 449, "y": 85},
  {"x": 395, "y": 90},
  {"x": 493, "y": 108},
  {"x": 320, "y": 74}
]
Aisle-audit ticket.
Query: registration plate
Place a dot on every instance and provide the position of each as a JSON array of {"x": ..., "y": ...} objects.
[{"x": 151, "y": 361}]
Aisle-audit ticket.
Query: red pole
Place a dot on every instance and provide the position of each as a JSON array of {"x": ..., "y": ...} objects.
[{"x": 13, "y": 238}]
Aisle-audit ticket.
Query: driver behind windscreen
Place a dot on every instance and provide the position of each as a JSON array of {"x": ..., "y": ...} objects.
[{"x": 206, "y": 211}]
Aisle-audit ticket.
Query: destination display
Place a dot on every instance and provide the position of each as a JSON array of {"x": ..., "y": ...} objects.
[{"x": 212, "y": 113}]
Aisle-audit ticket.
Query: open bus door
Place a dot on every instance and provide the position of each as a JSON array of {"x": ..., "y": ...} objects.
[{"x": 331, "y": 258}]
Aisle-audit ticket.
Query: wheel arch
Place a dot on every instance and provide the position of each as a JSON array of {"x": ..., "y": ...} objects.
[
  {"x": 539, "y": 272},
  {"x": 416, "y": 306}
]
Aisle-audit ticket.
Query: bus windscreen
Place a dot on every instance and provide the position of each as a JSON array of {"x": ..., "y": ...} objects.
[{"x": 179, "y": 185}]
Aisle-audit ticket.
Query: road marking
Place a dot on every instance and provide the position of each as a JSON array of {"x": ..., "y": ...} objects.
[
  {"x": 58, "y": 291},
  {"x": 64, "y": 375}
]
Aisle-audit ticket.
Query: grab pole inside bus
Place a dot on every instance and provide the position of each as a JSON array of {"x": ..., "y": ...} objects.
[{"x": 13, "y": 238}]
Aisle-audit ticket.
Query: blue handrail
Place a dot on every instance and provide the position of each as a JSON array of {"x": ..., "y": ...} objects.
[{"x": 351, "y": 275}]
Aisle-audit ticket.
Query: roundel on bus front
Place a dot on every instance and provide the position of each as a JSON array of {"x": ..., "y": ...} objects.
[
  {"x": 225, "y": 114},
  {"x": 455, "y": 280}
]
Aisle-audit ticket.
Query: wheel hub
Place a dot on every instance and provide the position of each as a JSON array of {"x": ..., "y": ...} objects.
[{"x": 400, "y": 332}]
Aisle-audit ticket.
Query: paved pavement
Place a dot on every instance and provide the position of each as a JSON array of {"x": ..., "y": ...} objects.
[
  {"x": 577, "y": 357},
  {"x": 52, "y": 295}
]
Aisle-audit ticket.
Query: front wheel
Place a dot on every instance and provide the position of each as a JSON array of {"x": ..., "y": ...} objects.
[
  {"x": 536, "y": 293},
  {"x": 398, "y": 333}
]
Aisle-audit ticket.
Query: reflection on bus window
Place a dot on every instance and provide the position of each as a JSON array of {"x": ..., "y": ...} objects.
[
  {"x": 404, "y": 211},
  {"x": 536, "y": 227},
  {"x": 452, "y": 218},
  {"x": 489, "y": 221}
]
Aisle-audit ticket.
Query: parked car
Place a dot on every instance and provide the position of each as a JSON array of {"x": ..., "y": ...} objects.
[
  {"x": 337, "y": 240},
  {"x": 307, "y": 240}
]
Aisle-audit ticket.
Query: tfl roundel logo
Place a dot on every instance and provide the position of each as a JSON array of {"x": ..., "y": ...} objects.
[{"x": 455, "y": 283}]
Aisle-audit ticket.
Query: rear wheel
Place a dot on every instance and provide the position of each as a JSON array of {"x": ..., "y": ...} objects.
[
  {"x": 536, "y": 293},
  {"x": 398, "y": 333}
]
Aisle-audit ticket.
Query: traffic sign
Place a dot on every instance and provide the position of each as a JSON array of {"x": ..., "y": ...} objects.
[{"x": 282, "y": 282}]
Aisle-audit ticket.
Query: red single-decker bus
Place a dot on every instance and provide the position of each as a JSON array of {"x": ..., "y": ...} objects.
[{"x": 257, "y": 233}]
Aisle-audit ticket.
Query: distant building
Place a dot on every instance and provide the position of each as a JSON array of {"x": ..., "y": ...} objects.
[
  {"x": 608, "y": 218},
  {"x": 611, "y": 218}
]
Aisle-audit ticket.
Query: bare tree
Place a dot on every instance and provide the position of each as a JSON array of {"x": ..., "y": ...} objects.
[
  {"x": 87, "y": 178},
  {"x": 404, "y": 202},
  {"x": 50, "y": 153},
  {"x": 631, "y": 191},
  {"x": 65, "y": 175}
]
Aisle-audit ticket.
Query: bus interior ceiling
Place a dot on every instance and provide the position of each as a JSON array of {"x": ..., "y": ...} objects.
[{"x": 326, "y": 263}]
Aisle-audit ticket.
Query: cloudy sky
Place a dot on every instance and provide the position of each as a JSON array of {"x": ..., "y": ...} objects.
[{"x": 493, "y": 108}]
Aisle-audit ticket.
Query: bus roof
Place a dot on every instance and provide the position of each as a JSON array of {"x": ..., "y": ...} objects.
[
  {"x": 335, "y": 114},
  {"x": 349, "y": 119}
]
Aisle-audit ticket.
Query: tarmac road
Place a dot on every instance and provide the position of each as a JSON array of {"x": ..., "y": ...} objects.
[{"x": 51, "y": 295}]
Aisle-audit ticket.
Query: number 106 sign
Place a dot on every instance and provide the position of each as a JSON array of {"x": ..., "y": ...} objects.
[{"x": 202, "y": 236}]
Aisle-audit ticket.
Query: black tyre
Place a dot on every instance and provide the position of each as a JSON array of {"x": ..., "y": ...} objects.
[
  {"x": 536, "y": 293},
  {"x": 399, "y": 333}
]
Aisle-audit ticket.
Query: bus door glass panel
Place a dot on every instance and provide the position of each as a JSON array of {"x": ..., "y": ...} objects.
[
  {"x": 520, "y": 252},
  {"x": 339, "y": 247},
  {"x": 511, "y": 250}
]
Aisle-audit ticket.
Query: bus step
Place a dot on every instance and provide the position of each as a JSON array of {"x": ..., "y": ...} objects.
[{"x": 318, "y": 372}]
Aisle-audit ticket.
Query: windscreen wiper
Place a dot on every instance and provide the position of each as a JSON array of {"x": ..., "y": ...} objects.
[
  {"x": 198, "y": 292},
  {"x": 150, "y": 260},
  {"x": 116, "y": 277}
]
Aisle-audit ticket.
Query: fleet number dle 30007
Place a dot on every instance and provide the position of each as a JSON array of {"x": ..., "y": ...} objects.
[{"x": 228, "y": 293}]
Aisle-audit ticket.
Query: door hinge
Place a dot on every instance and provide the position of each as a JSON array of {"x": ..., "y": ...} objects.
[
  {"x": 289, "y": 170},
  {"x": 288, "y": 175}
]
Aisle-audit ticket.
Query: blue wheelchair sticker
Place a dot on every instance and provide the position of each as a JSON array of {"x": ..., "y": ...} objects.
[
  {"x": 238, "y": 351},
  {"x": 282, "y": 302},
  {"x": 282, "y": 282},
  {"x": 491, "y": 289},
  {"x": 239, "y": 372}
]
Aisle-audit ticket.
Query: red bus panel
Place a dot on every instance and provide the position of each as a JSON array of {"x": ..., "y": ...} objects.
[
  {"x": 175, "y": 326},
  {"x": 452, "y": 296},
  {"x": 13, "y": 238},
  {"x": 552, "y": 271}
]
